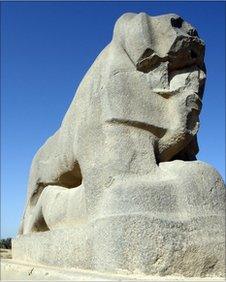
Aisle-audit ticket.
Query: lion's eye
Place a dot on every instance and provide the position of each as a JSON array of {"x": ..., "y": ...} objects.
[{"x": 176, "y": 22}]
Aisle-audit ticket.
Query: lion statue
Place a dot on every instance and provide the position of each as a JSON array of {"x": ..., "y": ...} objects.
[{"x": 124, "y": 159}]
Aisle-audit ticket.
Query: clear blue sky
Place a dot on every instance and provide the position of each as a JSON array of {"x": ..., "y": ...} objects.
[{"x": 46, "y": 49}]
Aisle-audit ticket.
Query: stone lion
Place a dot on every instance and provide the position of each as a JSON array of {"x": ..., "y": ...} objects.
[{"x": 125, "y": 154}]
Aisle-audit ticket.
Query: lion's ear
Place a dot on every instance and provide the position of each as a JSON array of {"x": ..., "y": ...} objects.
[{"x": 132, "y": 32}]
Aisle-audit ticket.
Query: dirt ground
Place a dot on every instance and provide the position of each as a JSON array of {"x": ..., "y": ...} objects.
[
  {"x": 15, "y": 270},
  {"x": 6, "y": 253}
]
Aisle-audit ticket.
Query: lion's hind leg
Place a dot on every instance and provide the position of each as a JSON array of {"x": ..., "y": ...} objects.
[{"x": 57, "y": 207}]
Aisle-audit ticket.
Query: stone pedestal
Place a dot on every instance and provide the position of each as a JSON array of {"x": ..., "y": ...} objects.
[{"x": 164, "y": 228}]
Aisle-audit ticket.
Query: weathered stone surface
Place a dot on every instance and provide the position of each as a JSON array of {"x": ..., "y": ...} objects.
[{"x": 118, "y": 188}]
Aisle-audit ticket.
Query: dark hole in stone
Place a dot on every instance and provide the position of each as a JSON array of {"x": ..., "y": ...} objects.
[
  {"x": 192, "y": 119},
  {"x": 148, "y": 61},
  {"x": 193, "y": 54},
  {"x": 176, "y": 22},
  {"x": 147, "y": 53},
  {"x": 40, "y": 225},
  {"x": 69, "y": 179}
]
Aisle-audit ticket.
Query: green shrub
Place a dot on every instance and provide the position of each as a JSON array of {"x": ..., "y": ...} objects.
[{"x": 5, "y": 243}]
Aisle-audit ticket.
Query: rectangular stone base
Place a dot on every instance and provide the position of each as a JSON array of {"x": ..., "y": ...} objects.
[{"x": 129, "y": 244}]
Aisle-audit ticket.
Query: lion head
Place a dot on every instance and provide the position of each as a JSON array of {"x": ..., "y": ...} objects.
[{"x": 158, "y": 83}]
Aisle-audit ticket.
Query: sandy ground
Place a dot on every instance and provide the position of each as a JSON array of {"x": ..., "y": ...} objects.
[
  {"x": 14, "y": 270},
  {"x": 5, "y": 253}
]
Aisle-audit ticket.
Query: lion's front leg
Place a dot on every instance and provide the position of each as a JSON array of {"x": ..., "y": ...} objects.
[
  {"x": 57, "y": 208},
  {"x": 35, "y": 222}
]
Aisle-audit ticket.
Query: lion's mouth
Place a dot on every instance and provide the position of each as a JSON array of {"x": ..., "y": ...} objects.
[
  {"x": 185, "y": 57},
  {"x": 188, "y": 82},
  {"x": 184, "y": 53},
  {"x": 193, "y": 101}
]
